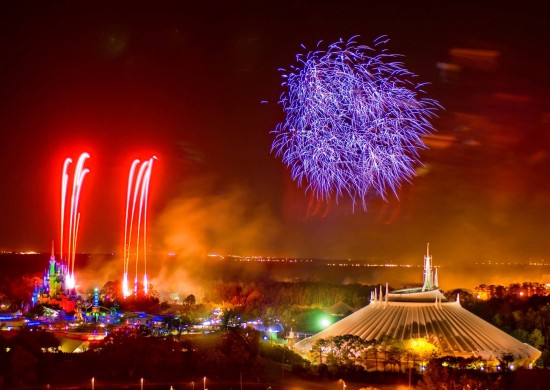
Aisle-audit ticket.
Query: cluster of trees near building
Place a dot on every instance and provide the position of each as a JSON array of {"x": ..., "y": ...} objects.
[
  {"x": 33, "y": 359},
  {"x": 386, "y": 354},
  {"x": 126, "y": 355},
  {"x": 525, "y": 289},
  {"x": 522, "y": 310},
  {"x": 526, "y": 318},
  {"x": 350, "y": 357},
  {"x": 297, "y": 305},
  {"x": 273, "y": 293}
]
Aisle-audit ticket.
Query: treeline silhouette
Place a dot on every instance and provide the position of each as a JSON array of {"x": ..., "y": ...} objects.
[
  {"x": 275, "y": 293},
  {"x": 32, "y": 358}
]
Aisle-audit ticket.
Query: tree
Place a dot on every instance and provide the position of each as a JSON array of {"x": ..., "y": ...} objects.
[
  {"x": 450, "y": 372},
  {"x": 520, "y": 334},
  {"x": 23, "y": 365},
  {"x": 236, "y": 351},
  {"x": 111, "y": 290},
  {"x": 536, "y": 339},
  {"x": 505, "y": 362},
  {"x": 436, "y": 377},
  {"x": 347, "y": 348},
  {"x": 421, "y": 349},
  {"x": 189, "y": 300},
  {"x": 319, "y": 348},
  {"x": 372, "y": 350},
  {"x": 20, "y": 289},
  {"x": 177, "y": 324},
  {"x": 395, "y": 354},
  {"x": 254, "y": 303},
  {"x": 36, "y": 342},
  {"x": 152, "y": 292},
  {"x": 212, "y": 363}
]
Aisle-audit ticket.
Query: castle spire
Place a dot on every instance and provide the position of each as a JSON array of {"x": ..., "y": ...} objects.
[{"x": 428, "y": 274}]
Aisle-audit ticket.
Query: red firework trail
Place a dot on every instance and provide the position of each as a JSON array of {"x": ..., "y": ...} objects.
[
  {"x": 126, "y": 251},
  {"x": 144, "y": 197},
  {"x": 140, "y": 187},
  {"x": 80, "y": 173},
  {"x": 64, "y": 180},
  {"x": 74, "y": 216}
]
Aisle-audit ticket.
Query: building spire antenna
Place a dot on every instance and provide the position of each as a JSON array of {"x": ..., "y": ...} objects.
[{"x": 428, "y": 274}]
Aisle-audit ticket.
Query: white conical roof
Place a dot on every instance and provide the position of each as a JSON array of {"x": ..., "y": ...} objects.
[
  {"x": 453, "y": 329},
  {"x": 414, "y": 313}
]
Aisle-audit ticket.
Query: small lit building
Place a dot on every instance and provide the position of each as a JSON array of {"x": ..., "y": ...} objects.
[{"x": 339, "y": 310}]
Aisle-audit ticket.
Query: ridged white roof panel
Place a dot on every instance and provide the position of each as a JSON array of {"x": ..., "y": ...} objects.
[{"x": 453, "y": 329}]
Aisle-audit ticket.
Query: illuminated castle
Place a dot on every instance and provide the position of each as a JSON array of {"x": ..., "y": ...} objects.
[
  {"x": 53, "y": 291},
  {"x": 424, "y": 313}
]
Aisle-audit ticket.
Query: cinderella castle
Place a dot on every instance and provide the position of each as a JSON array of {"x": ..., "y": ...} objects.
[
  {"x": 53, "y": 291},
  {"x": 425, "y": 313}
]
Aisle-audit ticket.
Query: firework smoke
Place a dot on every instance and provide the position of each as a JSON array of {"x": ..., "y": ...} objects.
[
  {"x": 202, "y": 221},
  {"x": 354, "y": 121}
]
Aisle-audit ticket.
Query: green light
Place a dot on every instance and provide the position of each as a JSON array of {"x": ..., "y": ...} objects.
[{"x": 325, "y": 322}]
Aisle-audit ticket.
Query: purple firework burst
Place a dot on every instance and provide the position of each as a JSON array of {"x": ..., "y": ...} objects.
[{"x": 354, "y": 121}]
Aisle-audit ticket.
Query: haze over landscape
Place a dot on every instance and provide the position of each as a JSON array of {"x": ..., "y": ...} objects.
[
  {"x": 198, "y": 86},
  {"x": 291, "y": 194}
]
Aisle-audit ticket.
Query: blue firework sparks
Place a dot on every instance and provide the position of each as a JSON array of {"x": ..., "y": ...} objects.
[{"x": 354, "y": 121}]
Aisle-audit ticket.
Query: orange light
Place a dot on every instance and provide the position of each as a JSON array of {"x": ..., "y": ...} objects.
[{"x": 96, "y": 337}]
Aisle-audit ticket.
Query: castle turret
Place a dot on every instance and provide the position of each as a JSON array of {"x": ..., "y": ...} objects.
[{"x": 52, "y": 274}]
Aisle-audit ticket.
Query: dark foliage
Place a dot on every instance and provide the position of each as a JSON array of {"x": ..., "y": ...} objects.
[{"x": 525, "y": 318}]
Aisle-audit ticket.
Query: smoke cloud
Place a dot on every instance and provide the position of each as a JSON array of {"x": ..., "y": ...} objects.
[{"x": 205, "y": 220}]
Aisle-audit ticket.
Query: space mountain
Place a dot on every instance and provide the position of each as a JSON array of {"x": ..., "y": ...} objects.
[{"x": 424, "y": 312}]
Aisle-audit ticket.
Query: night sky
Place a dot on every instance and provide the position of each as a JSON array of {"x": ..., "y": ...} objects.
[{"x": 198, "y": 86}]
